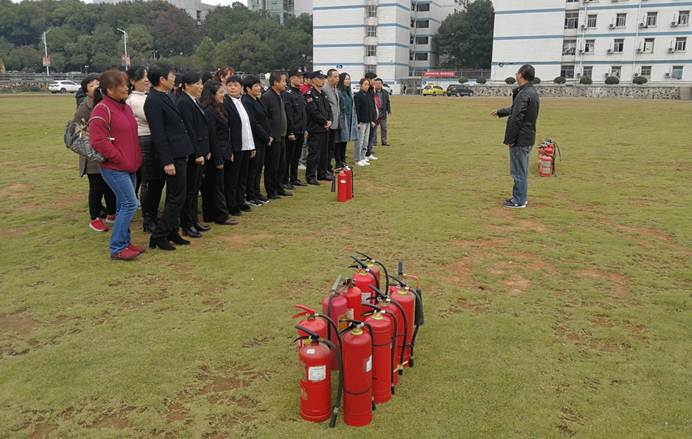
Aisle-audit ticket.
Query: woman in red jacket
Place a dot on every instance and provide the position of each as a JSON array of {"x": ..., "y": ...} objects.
[{"x": 113, "y": 133}]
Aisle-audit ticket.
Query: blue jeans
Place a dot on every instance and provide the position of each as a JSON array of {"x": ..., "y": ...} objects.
[
  {"x": 123, "y": 185},
  {"x": 519, "y": 169}
]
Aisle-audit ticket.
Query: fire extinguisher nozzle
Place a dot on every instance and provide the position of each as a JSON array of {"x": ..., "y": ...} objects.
[
  {"x": 374, "y": 407},
  {"x": 410, "y": 362},
  {"x": 393, "y": 390}
]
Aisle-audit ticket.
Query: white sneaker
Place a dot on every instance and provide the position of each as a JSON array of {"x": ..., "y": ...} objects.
[
  {"x": 371, "y": 157},
  {"x": 362, "y": 163},
  {"x": 302, "y": 167},
  {"x": 367, "y": 163}
]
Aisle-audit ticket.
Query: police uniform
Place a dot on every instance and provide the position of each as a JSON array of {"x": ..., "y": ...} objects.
[
  {"x": 297, "y": 123},
  {"x": 319, "y": 113}
]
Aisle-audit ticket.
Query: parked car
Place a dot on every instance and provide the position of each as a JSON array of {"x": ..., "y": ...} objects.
[
  {"x": 64, "y": 86},
  {"x": 433, "y": 90},
  {"x": 459, "y": 90}
]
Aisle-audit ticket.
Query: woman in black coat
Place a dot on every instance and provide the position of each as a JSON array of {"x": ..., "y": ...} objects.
[
  {"x": 196, "y": 124},
  {"x": 251, "y": 100},
  {"x": 213, "y": 194}
]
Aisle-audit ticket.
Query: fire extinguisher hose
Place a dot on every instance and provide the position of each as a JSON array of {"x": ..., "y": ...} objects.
[
  {"x": 331, "y": 324},
  {"x": 340, "y": 387},
  {"x": 420, "y": 319},
  {"x": 403, "y": 343}
]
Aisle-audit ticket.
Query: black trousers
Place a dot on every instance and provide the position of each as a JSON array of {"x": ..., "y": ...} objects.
[
  {"x": 213, "y": 194},
  {"x": 340, "y": 153},
  {"x": 254, "y": 175},
  {"x": 175, "y": 200},
  {"x": 317, "y": 142},
  {"x": 98, "y": 189},
  {"x": 153, "y": 181},
  {"x": 188, "y": 216},
  {"x": 235, "y": 180},
  {"x": 327, "y": 154},
  {"x": 272, "y": 166},
  {"x": 289, "y": 172}
]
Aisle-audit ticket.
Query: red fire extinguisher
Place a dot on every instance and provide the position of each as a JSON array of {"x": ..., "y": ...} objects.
[
  {"x": 547, "y": 152},
  {"x": 335, "y": 307},
  {"x": 411, "y": 300},
  {"x": 343, "y": 185},
  {"x": 357, "y": 354},
  {"x": 383, "y": 327},
  {"x": 545, "y": 165},
  {"x": 368, "y": 277},
  {"x": 400, "y": 329},
  {"x": 354, "y": 299},
  {"x": 315, "y": 357},
  {"x": 312, "y": 321}
]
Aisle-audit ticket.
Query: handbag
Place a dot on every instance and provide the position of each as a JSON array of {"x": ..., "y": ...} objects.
[{"x": 77, "y": 138}]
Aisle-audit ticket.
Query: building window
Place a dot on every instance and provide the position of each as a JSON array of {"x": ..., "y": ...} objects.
[
  {"x": 371, "y": 11},
  {"x": 648, "y": 45},
  {"x": 619, "y": 45},
  {"x": 621, "y": 20},
  {"x": 420, "y": 40},
  {"x": 683, "y": 18},
  {"x": 371, "y": 31},
  {"x": 567, "y": 71},
  {"x": 370, "y": 50},
  {"x": 680, "y": 44},
  {"x": 589, "y": 46},
  {"x": 421, "y": 56},
  {"x": 420, "y": 24},
  {"x": 615, "y": 71},
  {"x": 587, "y": 71},
  {"x": 591, "y": 21},
  {"x": 676, "y": 72},
  {"x": 646, "y": 72},
  {"x": 571, "y": 20},
  {"x": 651, "y": 18},
  {"x": 371, "y": 68},
  {"x": 422, "y": 7},
  {"x": 569, "y": 47}
]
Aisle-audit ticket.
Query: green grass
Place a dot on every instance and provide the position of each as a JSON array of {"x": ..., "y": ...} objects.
[{"x": 569, "y": 318}]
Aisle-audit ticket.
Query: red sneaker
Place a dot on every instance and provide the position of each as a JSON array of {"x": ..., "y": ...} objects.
[
  {"x": 97, "y": 225},
  {"x": 110, "y": 219},
  {"x": 125, "y": 254},
  {"x": 137, "y": 248}
]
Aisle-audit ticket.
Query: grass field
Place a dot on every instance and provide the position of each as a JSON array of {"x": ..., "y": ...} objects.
[{"x": 571, "y": 318}]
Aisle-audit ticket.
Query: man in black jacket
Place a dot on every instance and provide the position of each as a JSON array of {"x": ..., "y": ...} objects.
[
  {"x": 172, "y": 144},
  {"x": 319, "y": 122},
  {"x": 276, "y": 152},
  {"x": 261, "y": 134},
  {"x": 296, "y": 117},
  {"x": 520, "y": 134}
]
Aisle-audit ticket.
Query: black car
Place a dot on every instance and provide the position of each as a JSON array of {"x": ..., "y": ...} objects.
[{"x": 458, "y": 90}]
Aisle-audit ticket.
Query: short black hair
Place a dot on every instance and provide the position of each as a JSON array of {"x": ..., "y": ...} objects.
[
  {"x": 527, "y": 72},
  {"x": 89, "y": 79},
  {"x": 136, "y": 73},
  {"x": 189, "y": 78},
  {"x": 379, "y": 79},
  {"x": 206, "y": 76},
  {"x": 370, "y": 75},
  {"x": 158, "y": 71},
  {"x": 235, "y": 78},
  {"x": 275, "y": 77},
  {"x": 330, "y": 71},
  {"x": 250, "y": 81}
]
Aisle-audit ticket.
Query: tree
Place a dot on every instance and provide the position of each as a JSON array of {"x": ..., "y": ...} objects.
[
  {"x": 465, "y": 38},
  {"x": 246, "y": 52},
  {"x": 24, "y": 58},
  {"x": 175, "y": 33},
  {"x": 205, "y": 53}
]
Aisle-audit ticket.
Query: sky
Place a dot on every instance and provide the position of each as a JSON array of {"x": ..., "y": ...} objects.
[{"x": 211, "y": 2}]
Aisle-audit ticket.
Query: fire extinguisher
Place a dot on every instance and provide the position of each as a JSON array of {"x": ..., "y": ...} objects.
[
  {"x": 369, "y": 267},
  {"x": 412, "y": 302},
  {"x": 545, "y": 165},
  {"x": 315, "y": 384},
  {"x": 383, "y": 325},
  {"x": 354, "y": 299},
  {"x": 357, "y": 345},
  {"x": 342, "y": 185},
  {"x": 335, "y": 307},
  {"x": 312, "y": 321},
  {"x": 400, "y": 329}
]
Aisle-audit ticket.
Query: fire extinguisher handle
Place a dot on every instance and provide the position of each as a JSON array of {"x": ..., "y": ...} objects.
[
  {"x": 305, "y": 309},
  {"x": 311, "y": 334}
]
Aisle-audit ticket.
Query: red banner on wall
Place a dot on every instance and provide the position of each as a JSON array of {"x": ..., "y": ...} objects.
[{"x": 440, "y": 74}]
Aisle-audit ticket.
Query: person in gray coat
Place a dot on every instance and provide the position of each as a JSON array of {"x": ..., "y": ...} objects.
[
  {"x": 334, "y": 99},
  {"x": 520, "y": 134},
  {"x": 348, "y": 120}
]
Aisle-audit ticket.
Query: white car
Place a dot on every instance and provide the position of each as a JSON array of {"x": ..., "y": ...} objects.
[{"x": 63, "y": 87}]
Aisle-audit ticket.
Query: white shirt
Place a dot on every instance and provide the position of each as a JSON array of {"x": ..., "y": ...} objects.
[
  {"x": 136, "y": 102},
  {"x": 248, "y": 141}
]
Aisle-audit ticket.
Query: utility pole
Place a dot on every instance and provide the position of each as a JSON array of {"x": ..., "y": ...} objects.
[
  {"x": 45, "y": 53},
  {"x": 126, "y": 61}
]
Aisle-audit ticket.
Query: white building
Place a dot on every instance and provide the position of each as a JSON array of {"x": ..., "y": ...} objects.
[
  {"x": 195, "y": 8},
  {"x": 278, "y": 9},
  {"x": 574, "y": 38},
  {"x": 303, "y": 7},
  {"x": 391, "y": 37}
]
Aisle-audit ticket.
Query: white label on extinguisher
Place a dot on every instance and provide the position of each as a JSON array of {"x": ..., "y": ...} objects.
[
  {"x": 368, "y": 364},
  {"x": 364, "y": 297},
  {"x": 349, "y": 314},
  {"x": 310, "y": 351},
  {"x": 317, "y": 373}
]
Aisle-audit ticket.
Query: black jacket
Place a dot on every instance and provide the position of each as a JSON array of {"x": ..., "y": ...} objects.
[
  {"x": 521, "y": 125},
  {"x": 219, "y": 135},
  {"x": 296, "y": 115},
  {"x": 168, "y": 133},
  {"x": 236, "y": 125},
  {"x": 385, "y": 104},
  {"x": 365, "y": 107},
  {"x": 319, "y": 111},
  {"x": 195, "y": 123},
  {"x": 276, "y": 111},
  {"x": 259, "y": 113}
]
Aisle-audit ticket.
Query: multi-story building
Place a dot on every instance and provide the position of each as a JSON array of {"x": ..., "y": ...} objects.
[
  {"x": 303, "y": 7},
  {"x": 195, "y": 8},
  {"x": 392, "y": 38},
  {"x": 278, "y": 9},
  {"x": 594, "y": 38}
]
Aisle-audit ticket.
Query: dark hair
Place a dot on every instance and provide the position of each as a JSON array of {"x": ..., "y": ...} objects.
[
  {"x": 370, "y": 75},
  {"x": 362, "y": 80},
  {"x": 157, "y": 72},
  {"x": 379, "y": 79},
  {"x": 275, "y": 77},
  {"x": 188, "y": 78},
  {"x": 223, "y": 71},
  {"x": 250, "y": 81},
  {"x": 329, "y": 72},
  {"x": 342, "y": 78},
  {"x": 206, "y": 76},
  {"x": 111, "y": 79},
  {"x": 135, "y": 74},
  {"x": 89, "y": 79},
  {"x": 211, "y": 87},
  {"x": 527, "y": 72},
  {"x": 235, "y": 78}
]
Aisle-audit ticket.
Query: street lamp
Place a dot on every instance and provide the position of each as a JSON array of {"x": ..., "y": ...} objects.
[
  {"x": 45, "y": 53},
  {"x": 127, "y": 58}
]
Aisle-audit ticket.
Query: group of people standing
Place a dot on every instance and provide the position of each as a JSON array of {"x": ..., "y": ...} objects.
[{"x": 219, "y": 135}]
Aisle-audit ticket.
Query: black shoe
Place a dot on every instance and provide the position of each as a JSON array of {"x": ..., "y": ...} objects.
[
  {"x": 284, "y": 193},
  {"x": 274, "y": 196},
  {"x": 245, "y": 208},
  {"x": 192, "y": 232},
  {"x": 148, "y": 228},
  {"x": 386, "y": 144},
  {"x": 262, "y": 199},
  {"x": 313, "y": 181},
  {"x": 161, "y": 243},
  {"x": 255, "y": 203},
  {"x": 177, "y": 239},
  {"x": 288, "y": 186},
  {"x": 298, "y": 183},
  {"x": 227, "y": 222},
  {"x": 326, "y": 177},
  {"x": 202, "y": 227},
  {"x": 509, "y": 204}
]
